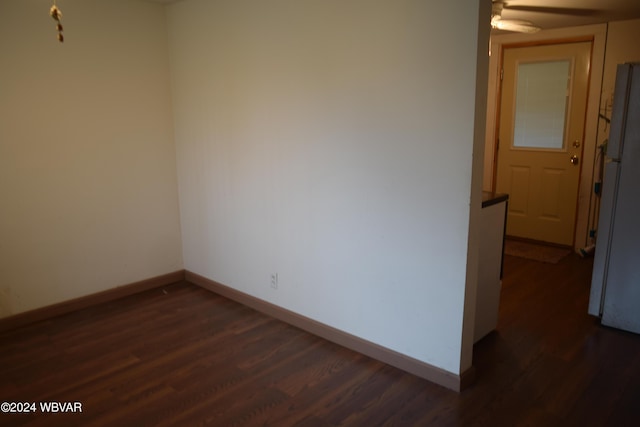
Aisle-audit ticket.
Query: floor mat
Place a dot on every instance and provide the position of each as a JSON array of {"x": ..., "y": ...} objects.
[{"x": 536, "y": 252}]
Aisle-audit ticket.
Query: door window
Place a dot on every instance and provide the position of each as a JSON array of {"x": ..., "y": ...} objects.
[{"x": 542, "y": 92}]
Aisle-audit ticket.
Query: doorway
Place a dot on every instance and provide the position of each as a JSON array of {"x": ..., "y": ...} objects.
[{"x": 542, "y": 110}]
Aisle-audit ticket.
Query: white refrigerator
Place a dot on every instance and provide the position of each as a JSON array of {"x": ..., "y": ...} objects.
[{"x": 615, "y": 283}]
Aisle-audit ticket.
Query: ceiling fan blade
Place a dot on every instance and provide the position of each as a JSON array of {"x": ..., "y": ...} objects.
[
  {"x": 573, "y": 11},
  {"x": 514, "y": 25}
]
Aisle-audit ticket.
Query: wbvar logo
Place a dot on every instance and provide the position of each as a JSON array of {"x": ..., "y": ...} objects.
[{"x": 54, "y": 407}]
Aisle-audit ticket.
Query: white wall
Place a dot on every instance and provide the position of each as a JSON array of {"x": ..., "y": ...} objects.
[
  {"x": 331, "y": 142},
  {"x": 622, "y": 46},
  {"x": 477, "y": 221},
  {"x": 88, "y": 189}
]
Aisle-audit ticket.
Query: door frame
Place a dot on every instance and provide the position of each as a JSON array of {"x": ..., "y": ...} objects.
[
  {"x": 597, "y": 35},
  {"x": 569, "y": 112}
]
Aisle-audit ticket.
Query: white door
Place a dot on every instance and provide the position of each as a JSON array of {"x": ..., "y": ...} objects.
[{"x": 542, "y": 114}]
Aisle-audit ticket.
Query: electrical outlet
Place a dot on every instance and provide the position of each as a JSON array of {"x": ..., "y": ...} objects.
[{"x": 274, "y": 280}]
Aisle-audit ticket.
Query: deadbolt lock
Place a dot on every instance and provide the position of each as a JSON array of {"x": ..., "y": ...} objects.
[{"x": 576, "y": 144}]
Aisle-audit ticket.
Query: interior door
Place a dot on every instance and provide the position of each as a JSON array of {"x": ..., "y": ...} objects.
[{"x": 542, "y": 113}]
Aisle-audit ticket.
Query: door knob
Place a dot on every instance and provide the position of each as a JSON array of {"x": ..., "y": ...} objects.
[{"x": 574, "y": 160}]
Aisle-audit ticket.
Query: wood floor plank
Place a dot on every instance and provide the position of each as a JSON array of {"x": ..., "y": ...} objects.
[{"x": 181, "y": 355}]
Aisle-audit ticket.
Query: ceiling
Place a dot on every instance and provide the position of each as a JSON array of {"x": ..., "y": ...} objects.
[{"x": 549, "y": 14}]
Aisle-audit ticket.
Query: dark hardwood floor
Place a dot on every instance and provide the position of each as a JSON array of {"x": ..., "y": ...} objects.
[{"x": 184, "y": 356}]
